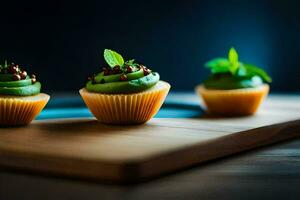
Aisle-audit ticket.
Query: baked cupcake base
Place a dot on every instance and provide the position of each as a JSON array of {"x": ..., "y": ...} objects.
[
  {"x": 133, "y": 108},
  {"x": 235, "y": 102},
  {"x": 21, "y": 110}
]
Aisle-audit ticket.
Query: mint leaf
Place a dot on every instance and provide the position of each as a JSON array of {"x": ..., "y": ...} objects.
[
  {"x": 4, "y": 65},
  {"x": 252, "y": 70},
  {"x": 218, "y": 65},
  {"x": 233, "y": 58},
  {"x": 236, "y": 68},
  {"x": 217, "y": 62},
  {"x": 242, "y": 70},
  {"x": 220, "y": 69},
  {"x": 130, "y": 62},
  {"x": 113, "y": 58},
  {"x": 223, "y": 65}
]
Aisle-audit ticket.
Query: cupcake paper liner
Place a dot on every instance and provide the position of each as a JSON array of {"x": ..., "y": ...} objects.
[
  {"x": 133, "y": 108},
  {"x": 15, "y": 110},
  {"x": 233, "y": 102}
]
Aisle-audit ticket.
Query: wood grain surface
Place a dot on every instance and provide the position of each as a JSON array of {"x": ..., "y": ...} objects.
[{"x": 86, "y": 148}]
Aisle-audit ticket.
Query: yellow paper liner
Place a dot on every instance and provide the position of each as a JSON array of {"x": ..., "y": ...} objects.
[
  {"x": 18, "y": 110},
  {"x": 133, "y": 108},
  {"x": 233, "y": 102}
]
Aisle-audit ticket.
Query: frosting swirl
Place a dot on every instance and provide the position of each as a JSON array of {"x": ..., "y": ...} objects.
[
  {"x": 14, "y": 81},
  {"x": 229, "y": 82},
  {"x": 135, "y": 81}
]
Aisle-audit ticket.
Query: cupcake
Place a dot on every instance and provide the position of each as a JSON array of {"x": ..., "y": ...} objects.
[
  {"x": 124, "y": 92},
  {"x": 233, "y": 88},
  {"x": 20, "y": 97}
]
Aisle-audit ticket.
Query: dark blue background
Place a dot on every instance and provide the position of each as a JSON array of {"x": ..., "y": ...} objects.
[{"x": 62, "y": 41}]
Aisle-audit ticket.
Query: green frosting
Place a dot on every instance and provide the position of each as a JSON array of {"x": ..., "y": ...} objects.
[
  {"x": 229, "y": 82},
  {"x": 21, "y": 87},
  {"x": 136, "y": 82},
  {"x": 116, "y": 77},
  {"x": 27, "y": 90}
]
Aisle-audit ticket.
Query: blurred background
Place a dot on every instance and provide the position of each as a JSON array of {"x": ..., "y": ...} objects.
[{"x": 63, "y": 41}]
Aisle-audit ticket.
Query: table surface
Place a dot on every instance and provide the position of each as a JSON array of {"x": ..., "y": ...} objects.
[{"x": 267, "y": 173}]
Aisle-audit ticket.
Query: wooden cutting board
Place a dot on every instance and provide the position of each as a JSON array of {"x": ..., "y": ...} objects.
[{"x": 86, "y": 148}]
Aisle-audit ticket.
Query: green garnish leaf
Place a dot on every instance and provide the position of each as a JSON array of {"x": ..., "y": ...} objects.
[
  {"x": 252, "y": 70},
  {"x": 113, "y": 58},
  {"x": 236, "y": 68},
  {"x": 130, "y": 62},
  {"x": 219, "y": 69},
  {"x": 233, "y": 58},
  {"x": 224, "y": 65},
  {"x": 4, "y": 65},
  {"x": 218, "y": 65},
  {"x": 218, "y": 62},
  {"x": 242, "y": 70}
]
